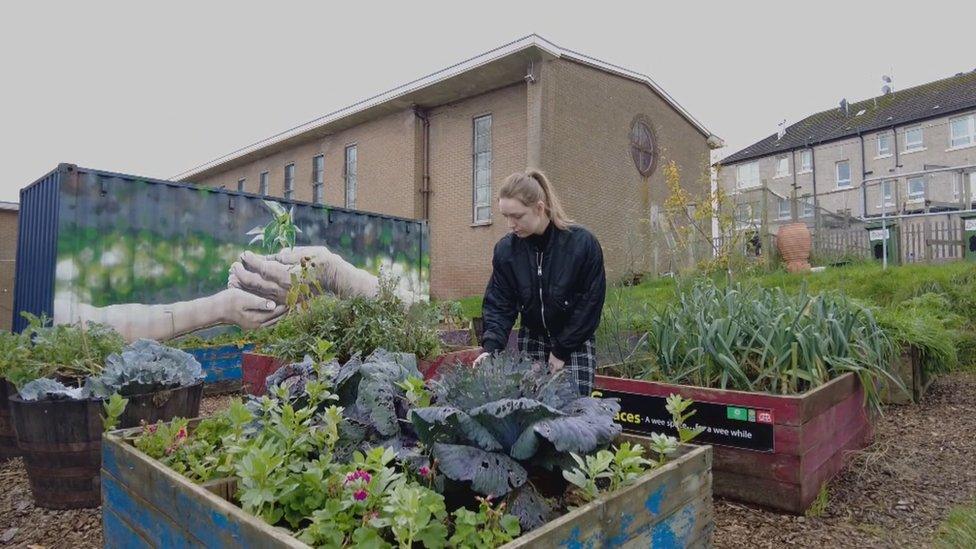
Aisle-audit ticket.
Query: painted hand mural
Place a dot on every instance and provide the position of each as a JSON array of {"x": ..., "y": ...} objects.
[{"x": 158, "y": 263}]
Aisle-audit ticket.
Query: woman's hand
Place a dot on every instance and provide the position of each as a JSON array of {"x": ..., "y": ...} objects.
[
  {"x": 480, "y": 359},
  {"x": 555, "y": 364}
]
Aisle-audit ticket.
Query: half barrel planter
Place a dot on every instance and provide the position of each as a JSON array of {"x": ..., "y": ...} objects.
[
  {"x": 223, "y": 366},
  {"x": 61, "y": 440},
  {"x": 146, "y": 504},
  {"x": 8, "y": 437},
  {"x": 770, "y": 450}
]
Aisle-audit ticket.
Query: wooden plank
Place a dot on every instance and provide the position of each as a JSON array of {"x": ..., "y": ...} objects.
[
  {"x": 678, "y": 530},
  {"x": 820, "y": 399},
  {"x": 810, "y": 487},
  {"x": 116, "y": 533},
  {"x": 203, "y": 515},
  {"x": 797, "y": 440},
  {"x": 765, "y": 492},
  {"x": 142, "y": 518}
]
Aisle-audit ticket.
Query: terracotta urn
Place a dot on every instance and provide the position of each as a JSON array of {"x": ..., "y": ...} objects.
[{"x": 793, "y": 241}]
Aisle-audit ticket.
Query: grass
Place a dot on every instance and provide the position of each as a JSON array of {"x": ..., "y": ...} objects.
[{"x": 959, "y": 529}]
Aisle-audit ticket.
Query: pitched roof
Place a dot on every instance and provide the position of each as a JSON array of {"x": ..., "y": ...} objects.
[
  {"x": 507, "y": 62},
  {"x": 930, "y": 100}
]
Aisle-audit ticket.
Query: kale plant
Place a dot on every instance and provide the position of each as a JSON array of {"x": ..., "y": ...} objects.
[
  {"x": 495, "y": 424},
  {"x": 144, "y": 367}
]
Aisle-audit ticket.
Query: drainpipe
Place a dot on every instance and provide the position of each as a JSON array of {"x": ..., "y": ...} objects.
[
  {"x": 794, "y": 208},
  {"x": 864, "y": 173},
  {"x": 425, "y": 183},
  {"x": 813, "y": 177}
]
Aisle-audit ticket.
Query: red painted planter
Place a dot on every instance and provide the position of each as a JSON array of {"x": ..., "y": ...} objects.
[
  {"x": 255, "y": 369},
  {"x": 434, "y": 366},
  {"x": 813, "y": 435}
]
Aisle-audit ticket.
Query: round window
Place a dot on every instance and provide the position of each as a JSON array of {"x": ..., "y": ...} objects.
[{"x": 643, "y": 146}]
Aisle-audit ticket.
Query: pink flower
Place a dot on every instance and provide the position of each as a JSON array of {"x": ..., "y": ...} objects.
[
  {"x": 358, "y": 474},
  {"x": 360, "y": 495},
  {"x": 425, "y": 471},
  {"x": 181, "y": 434}
]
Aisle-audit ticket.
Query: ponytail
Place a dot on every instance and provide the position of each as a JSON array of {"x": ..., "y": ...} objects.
[{"x": 531, "y": 187}]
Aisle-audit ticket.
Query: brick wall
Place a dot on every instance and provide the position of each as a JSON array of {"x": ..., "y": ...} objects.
[
  {"x": 460, "y": 252},
  {"x": 387, "y": 167},
  {"x": 8, "y": 257},
  {"x": 586, "y": 153}
]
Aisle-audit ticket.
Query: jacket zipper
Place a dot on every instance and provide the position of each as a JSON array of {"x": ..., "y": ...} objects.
[{"x": 542, "y": 301}]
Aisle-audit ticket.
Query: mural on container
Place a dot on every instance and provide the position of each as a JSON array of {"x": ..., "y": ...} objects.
[{"x": 159, "y": 260}]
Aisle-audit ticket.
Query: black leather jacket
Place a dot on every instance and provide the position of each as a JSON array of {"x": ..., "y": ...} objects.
[{"x": 559, "y": 291}]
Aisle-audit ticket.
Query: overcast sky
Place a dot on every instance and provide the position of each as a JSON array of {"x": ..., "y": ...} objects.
[{"x": 156, "y": 88}]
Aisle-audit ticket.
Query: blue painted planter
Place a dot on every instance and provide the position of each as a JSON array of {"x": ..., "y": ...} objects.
[
  {"x": 222, "y": 365},
  {"x": 145, "y": 504}
]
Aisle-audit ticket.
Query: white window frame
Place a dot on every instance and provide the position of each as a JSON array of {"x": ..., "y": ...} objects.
[
  {"x": 745, "y": 222},
  {"x": 807, "y": 210},
  {"x": 780, "y": 215},
  {"x": 883, "y": 200},
  {"x": 318, "y": 178},
  {"x": 288, "y": 181},
  {"x": 783, "y": 161},
  {"x": 263, "y": 189},
  {"x": 842, "y": 183},
  {"x": 970, "y": 137},
  {"x": 740, "y": 183},
  {"x": 481, "y": 209},
  {"x": 241, "y": 184},
  {"x": 806, "y": 154},
  {"x": 886, "y": 152},
  {"x": 350, "y": 174},
  {"x": 916, "y": 196},
  {"x": 910, "y": 146}
]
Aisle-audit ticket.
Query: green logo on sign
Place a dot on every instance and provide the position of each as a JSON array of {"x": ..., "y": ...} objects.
[{"x": 740, "y": 414}]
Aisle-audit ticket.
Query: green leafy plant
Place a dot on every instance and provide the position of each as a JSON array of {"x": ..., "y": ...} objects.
[
  {"x": 280, "y": 232},
  {"x": 757, "y": 339},
  {"x": 145, "y": 366},
  {"x": 628, "y": 465},
  {"x": 590, "y": 470},
  {"x": 415, "y": 391},
  {"x": 493, "y": 422},
  {"x": 417, "y": 514},
  {"x": 487, "y": 528},
  {"x": 69, "y": 351},
  {"x": 114, "y": 408},
  {"x": 676, "y": 406}
]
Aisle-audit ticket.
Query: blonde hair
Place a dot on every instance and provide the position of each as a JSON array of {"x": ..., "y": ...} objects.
[{"x": 531, "y": 187}]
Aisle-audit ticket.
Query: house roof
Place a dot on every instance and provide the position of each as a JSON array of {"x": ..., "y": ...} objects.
[
  {"x": 13, "y": 206},
  {"x": 931, "y": 100},
  {"x": 498, "y": 67}
]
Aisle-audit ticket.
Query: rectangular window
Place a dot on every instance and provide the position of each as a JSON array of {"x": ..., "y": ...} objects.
[
  {"x": 241, "y": 184},
  {"x": 806, "y": 161},
  {"x": 884, "y": 144},
  {"x": 481, "y": 172},
  {"x": 807, "y": 207},
  {"x": 888, "y": 193},
  {"x": 785, "y": 211},
  {"x": 289, "y": 180},
  {"x": 263, "y": 181},
  {"x": 318, "y": 178},
  {"x": 782, "y": 166},
  {"x": 744, "y": 214},
  {"x": 843, "y": 170},
  {"x": 349, "y": 174},
  {"x": 913, "y": 139},
  {"x": 916, "y": 188},
  {"x": 747, "y": 175},
  {"x": 962, "y": 131}
]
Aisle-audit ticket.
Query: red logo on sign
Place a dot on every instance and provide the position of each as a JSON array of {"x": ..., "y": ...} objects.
[{"x": 764, "y": 416}]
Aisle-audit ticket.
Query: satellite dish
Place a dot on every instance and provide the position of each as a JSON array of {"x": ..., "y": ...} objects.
[
  {"x": 844, "y": 107},
  {"x": 782, "y": 130},
  {"x": 886, "y": 89},
  {"x": 886, "y": 79}
]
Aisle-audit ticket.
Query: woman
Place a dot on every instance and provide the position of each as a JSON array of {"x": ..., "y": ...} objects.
[{"x": 549, "y": 270}]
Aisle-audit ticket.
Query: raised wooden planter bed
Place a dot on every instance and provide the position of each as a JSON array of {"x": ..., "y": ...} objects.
[
  {"x": 774, "y": 451},
  {"x": 8, "y": 437},
  {"x": 222, "y": 365},
  {"x": 255, "y": 369},
  {"x": 430, "y": 368},
  {"x": 909, "y": 369},
  {"x": 145, "y": 504}
]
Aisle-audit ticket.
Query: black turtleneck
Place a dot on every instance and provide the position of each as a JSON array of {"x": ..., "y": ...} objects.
[{"x": 540, "y": 241}]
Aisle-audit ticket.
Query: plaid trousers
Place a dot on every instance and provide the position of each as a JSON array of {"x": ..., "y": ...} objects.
[{"x": 581, "y": 364}]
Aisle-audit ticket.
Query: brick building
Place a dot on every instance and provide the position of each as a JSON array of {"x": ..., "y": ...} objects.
[
  {"x": 8, "y": 260},
  {"x": 438, "y": 149}
]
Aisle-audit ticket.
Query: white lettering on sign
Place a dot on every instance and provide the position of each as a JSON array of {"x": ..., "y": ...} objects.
[
  {"x": 971, "y": 224},
  {"x": 878, "y": 234}
]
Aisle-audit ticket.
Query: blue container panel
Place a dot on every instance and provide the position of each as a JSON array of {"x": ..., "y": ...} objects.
[
  {"x": 37, "y": 241},
  {"x": 221, "y": 363}
]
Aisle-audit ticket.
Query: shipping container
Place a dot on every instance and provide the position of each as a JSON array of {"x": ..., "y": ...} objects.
[{"x": 97, "y": 245}]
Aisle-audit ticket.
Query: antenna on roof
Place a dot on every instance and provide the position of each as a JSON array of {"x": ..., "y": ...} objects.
[
  {"x": 782, "y": 130},
  {"x": 845, "y": 109}
]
